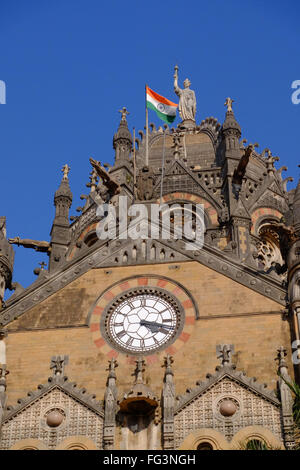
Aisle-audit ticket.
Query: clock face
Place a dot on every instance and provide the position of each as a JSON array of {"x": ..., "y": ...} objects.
[{"x": 142, "y": 323}]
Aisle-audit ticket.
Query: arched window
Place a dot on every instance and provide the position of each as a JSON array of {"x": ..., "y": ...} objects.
[
  {"x": 256, "y": 444},
  {"x": 205, "y": 446},
  {"x": 91, "y": 238}
]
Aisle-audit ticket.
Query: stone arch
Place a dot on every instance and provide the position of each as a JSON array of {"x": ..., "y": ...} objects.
[
  {"x": 90, "y": 230},
  {"x": 261, "y": 214},
  {"x": 205, "y": 435},
  {"x": 77, "y": 443},
  {"x": 259, "y": 433},
  {"x": 29, "y": 444},
  {"x": 209, "y": 209}
]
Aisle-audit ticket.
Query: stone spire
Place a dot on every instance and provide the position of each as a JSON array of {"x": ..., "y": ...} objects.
[
  {"x": 60, "y": 229},
  {"x": 110, "y": 406},
  {"x": 63, "y": 198},
  {"x": 6, "y": 260},
  {"x": 168, "y": 404},
  {"x": 122, "y": 141},
  {"x": 231, "y": 132}
]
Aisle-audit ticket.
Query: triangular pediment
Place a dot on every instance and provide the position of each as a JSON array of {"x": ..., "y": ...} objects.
[
  {"x": 67, "y": 391},
  {"x": 178, "y": 168},
  {"x": 50, "y": 415},
  {"x": 239, "y": 382}
]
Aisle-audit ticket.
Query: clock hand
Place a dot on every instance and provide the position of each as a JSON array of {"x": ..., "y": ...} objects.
[{"x": 154, "y": 327}]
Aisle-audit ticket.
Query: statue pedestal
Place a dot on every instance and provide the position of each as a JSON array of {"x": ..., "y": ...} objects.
[{"x": 187, "y": 124}]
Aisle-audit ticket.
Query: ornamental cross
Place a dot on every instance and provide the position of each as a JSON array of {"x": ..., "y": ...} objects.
[
  {"x": 65, "y": 170},
  {"x": 42, "y": 265},
  {"x": 58, "y": 364},
  {"x": 224, "y": 352},
  {"x": 124, "y": 113}
]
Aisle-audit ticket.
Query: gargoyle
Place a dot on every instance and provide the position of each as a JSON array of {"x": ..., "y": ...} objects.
[
  {"x": 35, "y": 244},
  {"x": 240, "y": 171}
]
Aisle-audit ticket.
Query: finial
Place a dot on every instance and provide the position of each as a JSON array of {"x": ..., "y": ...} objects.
[
  {"x": 42, "y": 265},
  {"x": 124, "y": 113},
  {"x": 270, "y": 160},
  {"x": 140, "y": 363},
  {"x": 3, "y": 371},
  {"x": 168, "y": 361},
  {"x": 65, "y": 170},
  {"x": 281, "y": 356},
  {"x": 112, "y": 365},
  {"x": 228, "y": 103},
  {"x": 58, "y": 364},
  {"x": 224, "y": 352}
]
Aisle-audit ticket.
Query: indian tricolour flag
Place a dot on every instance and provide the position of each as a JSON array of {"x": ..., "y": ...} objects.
[{"x": 164, "y": 108}]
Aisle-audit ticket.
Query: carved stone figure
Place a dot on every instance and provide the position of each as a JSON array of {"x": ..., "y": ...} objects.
[{"x": 187, "y": 98}]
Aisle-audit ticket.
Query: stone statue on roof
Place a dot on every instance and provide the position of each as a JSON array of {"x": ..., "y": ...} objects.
[{"x": 187, "y": 98}]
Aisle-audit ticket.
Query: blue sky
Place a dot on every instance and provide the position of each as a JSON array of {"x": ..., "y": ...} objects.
[{"x": 70, "y": 65}]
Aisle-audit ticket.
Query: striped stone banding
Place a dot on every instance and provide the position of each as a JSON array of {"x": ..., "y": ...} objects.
[
  {"x": 210, "y": 211},
  {"x": 181, "y": 296},
  {"x": 261, "y": 212}
]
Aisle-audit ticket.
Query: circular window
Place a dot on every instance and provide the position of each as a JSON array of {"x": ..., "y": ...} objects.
[{"x": 142, "y": 321}]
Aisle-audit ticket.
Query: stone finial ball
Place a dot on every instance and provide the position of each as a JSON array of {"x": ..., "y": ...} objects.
[
  {"x": 54, "y": 418},
  {"x": 227, "y": 408}
]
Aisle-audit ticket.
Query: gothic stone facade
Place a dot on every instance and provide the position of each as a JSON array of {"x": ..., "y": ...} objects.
[{"x": 207, "y": 378}]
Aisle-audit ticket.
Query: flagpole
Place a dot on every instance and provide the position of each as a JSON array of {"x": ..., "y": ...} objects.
[
  {"x": 162, "y": 168},
  {"x": 147, "y": 129}
]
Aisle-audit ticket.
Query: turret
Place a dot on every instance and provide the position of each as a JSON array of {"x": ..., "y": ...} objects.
[
  {"x": 122, "y": 171},
  {"x": 60, "y": 235},
  {"x": 6, "y": 261},
  {"x": 122, "y": 141}
]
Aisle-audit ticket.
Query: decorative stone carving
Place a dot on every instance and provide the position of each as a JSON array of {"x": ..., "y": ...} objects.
[{"x": 56, "y": 411}]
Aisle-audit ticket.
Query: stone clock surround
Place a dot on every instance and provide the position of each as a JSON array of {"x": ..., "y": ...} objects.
[{"x": 186, "y": 305}]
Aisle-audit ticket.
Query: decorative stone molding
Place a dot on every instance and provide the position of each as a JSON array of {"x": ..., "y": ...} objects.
[
  {"x": 203, "y": 435},
  {"x": 77, "y": 443},
  {"x": 29, "y": 444},
  {"x": 255, "y": 433}
]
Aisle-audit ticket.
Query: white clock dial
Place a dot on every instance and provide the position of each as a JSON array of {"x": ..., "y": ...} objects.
[{"x": 142, "y": 323}]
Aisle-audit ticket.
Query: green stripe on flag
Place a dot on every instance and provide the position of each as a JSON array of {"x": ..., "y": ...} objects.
[{"x": 163, "y": 117}]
